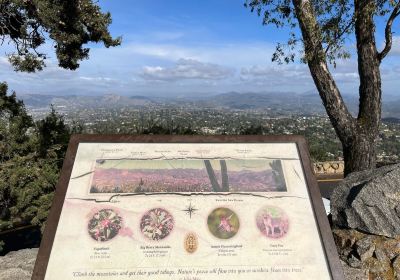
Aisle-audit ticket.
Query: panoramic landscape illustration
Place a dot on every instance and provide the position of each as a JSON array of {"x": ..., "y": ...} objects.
[{"x": 194, "y": 175}]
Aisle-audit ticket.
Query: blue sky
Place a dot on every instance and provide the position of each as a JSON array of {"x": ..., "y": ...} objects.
[{"x": 188, "y": 48}]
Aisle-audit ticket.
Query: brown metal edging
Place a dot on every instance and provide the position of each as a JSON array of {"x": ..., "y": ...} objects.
[{"x": 323, "y": 226}]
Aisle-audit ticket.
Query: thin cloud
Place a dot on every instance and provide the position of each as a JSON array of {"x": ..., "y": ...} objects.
[
  {"x": 186, "y": 69},
  {"x": 296, "y": 75},
  {"x": 136, "y": 53},
  {"x": 96, "y": 79},
  {"x": 276, "y": 75},
  {"x": 167, "y": 36},
  {"x": 4, "y": 61},
  {"x": 395, "y": 46}
]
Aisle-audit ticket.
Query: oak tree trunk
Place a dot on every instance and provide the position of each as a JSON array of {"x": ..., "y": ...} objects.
[
  {"x": 362, "y": 152},
  {"x": 357, "y": 135},
  {"x": 359, "y": 153}
]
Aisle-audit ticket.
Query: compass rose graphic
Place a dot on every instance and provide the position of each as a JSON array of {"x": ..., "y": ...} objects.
[{"x": 190, "y": 210}]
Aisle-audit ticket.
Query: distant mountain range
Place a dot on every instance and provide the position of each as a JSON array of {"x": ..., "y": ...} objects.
[
  {"x": 279, "y": 102},
  {"x": 81, "y": 101}
]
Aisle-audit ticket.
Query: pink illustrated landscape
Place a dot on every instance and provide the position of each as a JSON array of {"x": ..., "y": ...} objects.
[{"x": 121, "y": 180}]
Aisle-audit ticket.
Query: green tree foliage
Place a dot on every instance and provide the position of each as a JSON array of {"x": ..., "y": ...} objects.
[
  {"x": 156, "y": 129},
  {"x": 334, "y": 22},
  {"x": 324, "y": 30},
  {"x": 14, "y": 126},
  {"x": 251, "y": 130},
  {"x": 53, "y": 135},
  {"x": 27, "y": 24},
  {"x": 31, "y": 155}
]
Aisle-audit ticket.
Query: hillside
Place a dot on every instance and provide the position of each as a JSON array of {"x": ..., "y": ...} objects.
[{"x": 278, "y": 102}]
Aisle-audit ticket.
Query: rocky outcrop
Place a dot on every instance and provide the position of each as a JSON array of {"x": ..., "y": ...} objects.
[
  {"x": 372, "y": 256},
  {"x": 18, "y": 265},
  {"x": 369, "y": 201},
  {"x": 351, "y": 273},
  {"x": 329, "y": 168}
]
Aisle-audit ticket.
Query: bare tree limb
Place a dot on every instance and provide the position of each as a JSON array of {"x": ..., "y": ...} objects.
[
  {"x": 388, "y": 32},
  {"x": 339, "y": 36}
]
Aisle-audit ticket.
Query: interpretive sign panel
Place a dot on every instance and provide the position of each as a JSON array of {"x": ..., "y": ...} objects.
[{"x": 181, "y": 207}]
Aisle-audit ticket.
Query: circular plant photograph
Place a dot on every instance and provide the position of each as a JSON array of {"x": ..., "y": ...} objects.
[
  {"x": 223, "y": 223},
  {"x": 156, "y": 224},
  {"x": 272, "y": 222},
  {"x": 104, "y": 225}
]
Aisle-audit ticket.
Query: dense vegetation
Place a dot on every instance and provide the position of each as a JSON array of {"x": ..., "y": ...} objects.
[{"x": 31, "y": 155}]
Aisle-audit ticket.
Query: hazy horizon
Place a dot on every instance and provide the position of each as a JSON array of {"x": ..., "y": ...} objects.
[{"x": 203, "y": 95}]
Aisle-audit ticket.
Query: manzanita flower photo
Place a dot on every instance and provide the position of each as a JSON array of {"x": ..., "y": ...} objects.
[
  {"x": 156, "y": 224},
  {"x": 104, "y": 225}
]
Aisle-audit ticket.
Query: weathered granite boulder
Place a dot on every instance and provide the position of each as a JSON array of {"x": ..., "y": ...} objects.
[
  {"x": 351, "y": 273},
  {"x": 18, "y": 265},
  {"x": 369, "y": 201},
  {"x": 371, "y": 256}
]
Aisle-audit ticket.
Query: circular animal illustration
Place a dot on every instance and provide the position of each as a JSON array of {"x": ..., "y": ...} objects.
[
  {"x": 156, "y": 224},
  {"x": 104, "y": 225},
  {"x": 272, "y": 222},
  {"x": 223, "y": 223},
  {"x": 191, "y": 243}
]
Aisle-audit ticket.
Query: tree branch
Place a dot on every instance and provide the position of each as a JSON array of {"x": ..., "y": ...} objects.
[
  {"x": 369, "y": 113},
  {"x": 388, "y": 32},
  {"x": 339, "y": 36},
  {"x": 341, "y": 118}
]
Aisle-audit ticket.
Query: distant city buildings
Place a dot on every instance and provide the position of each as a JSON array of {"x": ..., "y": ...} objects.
[{"x": 191, "y": 119}]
